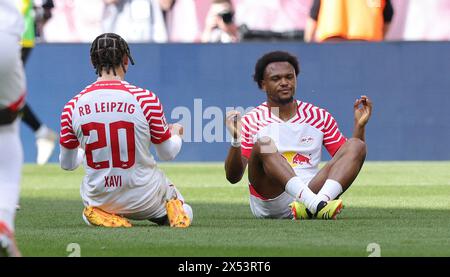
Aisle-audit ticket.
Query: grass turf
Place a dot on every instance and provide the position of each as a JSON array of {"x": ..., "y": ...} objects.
[{"x": 404, "y": 207}]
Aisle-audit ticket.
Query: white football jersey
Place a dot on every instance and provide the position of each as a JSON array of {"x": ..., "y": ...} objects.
[
  {"x": 115, "y": 123},
  {"x": 299, "y": 139}
]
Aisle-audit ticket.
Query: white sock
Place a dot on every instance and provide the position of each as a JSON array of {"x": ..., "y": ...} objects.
[
  {"x": 188, "y": 211},
  {"x": 330, "y": 190},
  {"x": 296, "y": 188},
  {"x": 42, "y": 131}
]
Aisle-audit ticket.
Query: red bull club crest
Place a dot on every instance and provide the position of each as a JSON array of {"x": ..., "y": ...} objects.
[{"x": 295, "y": 159}]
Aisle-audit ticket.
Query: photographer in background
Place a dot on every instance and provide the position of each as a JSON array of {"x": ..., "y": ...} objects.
[
  {"x": 220, "y": 26},
  {"x": 43, "y": 13}
]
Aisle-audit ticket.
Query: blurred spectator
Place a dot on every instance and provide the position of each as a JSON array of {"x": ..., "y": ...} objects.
[
  {"x": 74, "y": 21},
  {"x": 134, "y": 20},
  {"x": 36, "y": 14},
  {"x": 186, "y": 20},
  {"x": 183, "y": 19},
  {"x": 220, "y": 26},
  {"x": 166, "y": 6},
  {"x": 271, "y": 19},
  {"x": 348, "y": 20},
  {"x": 427, "y": 20},
  {"x": 43, "y": 13},
  {"x": 267, "y": 20}
]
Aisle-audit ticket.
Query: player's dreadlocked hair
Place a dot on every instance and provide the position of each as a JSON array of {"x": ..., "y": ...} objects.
[
  {"x": 107, "y": 52},
  {"x": 276, "y": 56}
]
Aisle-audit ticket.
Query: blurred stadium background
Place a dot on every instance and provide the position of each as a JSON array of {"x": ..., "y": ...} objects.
[{"x": 408, "y": 80}]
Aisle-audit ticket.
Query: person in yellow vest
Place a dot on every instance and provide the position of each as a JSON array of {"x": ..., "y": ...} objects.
[
  {"x": 45, "y": 137},
  {"x": 335, "y": 20}
]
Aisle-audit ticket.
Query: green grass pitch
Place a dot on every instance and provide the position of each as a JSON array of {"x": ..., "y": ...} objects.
[{"x": 404, "y": 207}]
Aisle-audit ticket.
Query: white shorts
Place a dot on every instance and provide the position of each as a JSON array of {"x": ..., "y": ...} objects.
[
  {"x": 158, "y": 209},
  {"x": 12, "y": 76},
  {"x": 277, "y": 207},
  {"x": 271, "y": 208},
  {"x": 136, "y": 202}
]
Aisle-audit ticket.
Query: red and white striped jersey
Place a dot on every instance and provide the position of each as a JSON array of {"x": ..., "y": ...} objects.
[
  {"x": 115, "y": 123},
  {"x": 299, "y": 139}
]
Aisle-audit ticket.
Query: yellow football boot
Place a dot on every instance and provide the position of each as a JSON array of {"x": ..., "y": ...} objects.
[
  {"x": 176, "y": 214},
  {"x": 329, "y": 209},
  {"x": 97, "y": 217},
  {"x": 299, "y": 211}
]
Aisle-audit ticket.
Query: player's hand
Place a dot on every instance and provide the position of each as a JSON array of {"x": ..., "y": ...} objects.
[
  {"x": 233, "y": 122},
  {"x": 363, "y": 110},
  {"x": 176, "y": 129}
]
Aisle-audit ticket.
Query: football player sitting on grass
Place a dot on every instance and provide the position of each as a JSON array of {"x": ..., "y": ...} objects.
[
  {"x": 109, "y": 126},
  {"x": 281, "y": 142}
]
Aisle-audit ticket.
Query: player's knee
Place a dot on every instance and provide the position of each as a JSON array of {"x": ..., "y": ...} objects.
[
  {"x": 265, "y": 145},
  {"x": 358, "y": 148}
]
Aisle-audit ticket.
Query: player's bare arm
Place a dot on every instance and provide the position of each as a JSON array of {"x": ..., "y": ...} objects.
[
  {"x": 363, "y": 110},
  {"x": 235, "y": 163}
]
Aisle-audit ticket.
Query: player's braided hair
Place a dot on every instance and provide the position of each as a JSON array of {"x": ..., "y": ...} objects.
[
  {"x": 271, "y": 57},
  {"x": 107, "y": 52}
]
